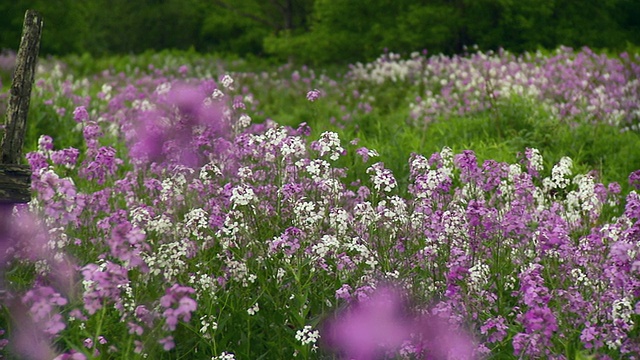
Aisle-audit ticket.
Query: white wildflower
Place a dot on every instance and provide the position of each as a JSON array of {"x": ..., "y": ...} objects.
[
  {"x": 242, "y": 195},
  {"x": 382, "y": 178},
  {"x": 207, "y": 325},
  {"x": 227, "y": 81},
  {"x": 244, "y": 121},
  {"x": 209, "y": 171},
  {"x": 339, "y": 219},
  {"x": 216, "y": 95},
  {"x": 294, "y": 146},
  {"x": 623, "y": 311},
  {"x": 318, "y": 169},
  {"x": 245, "y": 173},
  {"x": 224, "y": 356},
  {"x": 163, "y": 88},
  {"x": 307, "y": 335},
  {"x": 559, "y": 175},
  {"x": 478, "y": 275},
  {"x": 307, "y": 215},
  {"x": 535, "y": 160},
  {"x": 253, "y": 310},
  {"x": 329, "y": 143},
  {"x": 579, "y": 277}
]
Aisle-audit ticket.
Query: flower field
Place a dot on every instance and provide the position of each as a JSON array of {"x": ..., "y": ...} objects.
[{"x": 483, "y": 206}]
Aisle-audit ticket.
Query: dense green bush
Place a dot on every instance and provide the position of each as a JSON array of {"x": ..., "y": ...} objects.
[{"x": 323, "y": 31}]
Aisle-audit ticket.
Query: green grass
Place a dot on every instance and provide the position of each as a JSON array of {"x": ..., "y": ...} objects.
[{"x": 501, "y": 134}]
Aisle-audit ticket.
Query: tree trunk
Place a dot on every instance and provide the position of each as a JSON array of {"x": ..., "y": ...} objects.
[
  {"x": 21, "y": 89},
  {"x": 14, "y": 178},
  {"x": 15, "y": 183}
]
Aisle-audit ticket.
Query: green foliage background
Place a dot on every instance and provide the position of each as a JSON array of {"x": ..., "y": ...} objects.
[{"x": 323, "y": 31}]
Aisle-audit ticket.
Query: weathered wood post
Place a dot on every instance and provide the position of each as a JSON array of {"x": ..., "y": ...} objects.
[{"x": 15, "y": 179}]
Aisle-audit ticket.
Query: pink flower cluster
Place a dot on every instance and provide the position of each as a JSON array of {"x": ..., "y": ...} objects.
[
  {"x": 571, "y": 84},
  {"x": 382, "y": 324}
]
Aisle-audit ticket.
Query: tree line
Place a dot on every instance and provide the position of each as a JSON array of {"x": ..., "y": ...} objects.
[{"x": 323, "y": 31}]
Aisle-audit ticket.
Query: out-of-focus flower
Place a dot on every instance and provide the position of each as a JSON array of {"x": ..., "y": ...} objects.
[
  {"x": 634, "y": 179},
  {"x": 227, "y": 81},
  {"x": 167, "y": 343},
  {"x": 313, "y": 95},
  {"x": 80, "y": 114},
  {"x": 224, "y": 356},
  {"x": 72, "y": 355},
  {"x": 370, "y": 327},
  {"x": 35, "y": 314},
  {"x": 177, "y": 295},
  {"x": 382, "y": 324},
  {"x": 178, "y": 125}
]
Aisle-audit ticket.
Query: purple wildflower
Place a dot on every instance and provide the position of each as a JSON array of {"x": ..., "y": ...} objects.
[
  {"x": 370, "y": 327},
  {"x": 344, "y": 292},
  {"x": 634, "y": 179},
  {"x": 66, "y": 157},
  {"x": 167, "y": 343},
  {"x": 105, "y": 163},
  {"x": 103, "y": 284},
  {"x": 3, "y": 342},
  {"x": 177, "y": 296},
  {"x": 127, "y": 244},
  {"x": 590, "y": 337},
  {"x": 179, "y": 126},
  {"x": 91, "y": 133},
  {"x": 366, "y": 153},
  {"x": 288, "y": 242},
  {"x": 45, "y": 144},
  {"x": 540, "y": 319},
  {"x": 313, "y": 95},
  {"x": 42, "y": 302},
  {"x": 80, "y": 114},
  {"x": 499, "y": 329},
  {"x": 381, "y": 324},
  {"x": 71, "y": 355},
  {"x": 468, "y": 165},
  {"x": 37, "y": 160}
]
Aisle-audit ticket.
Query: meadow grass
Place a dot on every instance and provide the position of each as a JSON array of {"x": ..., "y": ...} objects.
[{"x": 188, "y": 207}]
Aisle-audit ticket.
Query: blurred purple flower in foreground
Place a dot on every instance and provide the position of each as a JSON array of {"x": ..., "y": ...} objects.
[
  {"x": 370, "y": 326},
  {"x": 382, "y": 325},
  {"x": 35, "y": 315},
  {"x": 177, "y": 125}
]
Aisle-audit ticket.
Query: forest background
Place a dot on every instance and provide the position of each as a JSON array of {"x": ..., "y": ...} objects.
[{"x": 317, "y": 32}]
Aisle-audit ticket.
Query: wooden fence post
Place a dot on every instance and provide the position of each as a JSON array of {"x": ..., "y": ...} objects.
[{"x": 15, "y": 179}]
